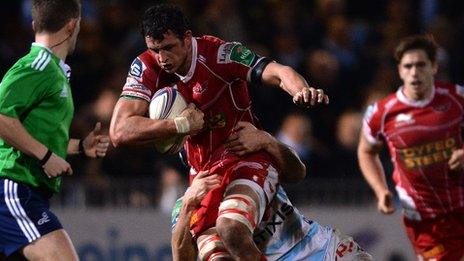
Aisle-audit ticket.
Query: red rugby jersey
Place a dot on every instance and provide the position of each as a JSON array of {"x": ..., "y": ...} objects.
[
  {"x": 216, "y": 83},
  {"x": 421, "y": 136}
]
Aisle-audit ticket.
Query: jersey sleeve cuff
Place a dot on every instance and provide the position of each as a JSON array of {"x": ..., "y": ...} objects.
[{"x": 367, "y": 133}]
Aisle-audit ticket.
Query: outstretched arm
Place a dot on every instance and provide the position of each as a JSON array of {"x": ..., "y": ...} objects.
[
  {"x": 372, "y": 169},
  {"x": 182, "y": 244},
  {"x": 294, "y": 84},
  {"x": 247, "y": 139}
]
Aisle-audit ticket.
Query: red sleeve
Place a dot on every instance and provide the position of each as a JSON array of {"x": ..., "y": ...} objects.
[
  {"x": 232, "y": 59},
  {"x": 145, "y": 77}
]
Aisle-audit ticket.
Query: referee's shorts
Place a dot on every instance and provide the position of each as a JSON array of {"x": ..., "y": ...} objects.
[{"x": 24, "y": 216}]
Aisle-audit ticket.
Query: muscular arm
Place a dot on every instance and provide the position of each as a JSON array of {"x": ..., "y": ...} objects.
[
  {"x": 248, "y": 139},
  {"x": 130, "y": 126},
  {"x": 372, "y": 169},
  {"x": 294, "y": 84},
  {"x": 283, "y": 76},
  {"x": 182, "y": 243},
  {"x": 292, "y": 169},
  {"x": 14, "y": 133}
]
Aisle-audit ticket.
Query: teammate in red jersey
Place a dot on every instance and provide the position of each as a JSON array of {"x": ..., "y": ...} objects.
[
  {"x": 213, "y": 76},
  {"x": 421, "y": 123}
]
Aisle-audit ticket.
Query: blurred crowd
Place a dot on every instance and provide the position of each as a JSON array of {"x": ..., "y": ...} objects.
[{"x": 342, "y": 46}]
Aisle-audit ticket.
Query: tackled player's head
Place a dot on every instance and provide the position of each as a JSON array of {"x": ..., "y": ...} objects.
[
  {"x": 166, "y": 33},
  {"x": 52, "y": 15},
  {"x": 160, "y": 19}
]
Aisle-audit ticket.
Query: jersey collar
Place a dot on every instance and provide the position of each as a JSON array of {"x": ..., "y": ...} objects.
[
  {"x": 64, "y": 67},
  {"x": 189, "y": 75},
  {"x": 421, "y": 103}
]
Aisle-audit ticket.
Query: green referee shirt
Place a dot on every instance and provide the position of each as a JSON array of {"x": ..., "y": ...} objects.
[{"x": 36, "y": 91}]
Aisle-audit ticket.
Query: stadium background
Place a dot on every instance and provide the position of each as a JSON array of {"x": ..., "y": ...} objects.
[{"x": 117, "y": 208}]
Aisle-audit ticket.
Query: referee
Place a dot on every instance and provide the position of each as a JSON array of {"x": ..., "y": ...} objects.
[{"x": 36, "y": 110}]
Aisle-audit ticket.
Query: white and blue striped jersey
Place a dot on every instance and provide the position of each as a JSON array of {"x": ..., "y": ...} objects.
[{"x": 285, "y": 234}]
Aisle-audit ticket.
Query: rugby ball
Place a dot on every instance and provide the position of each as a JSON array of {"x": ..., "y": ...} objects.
[{"x": 168, "y": 103}]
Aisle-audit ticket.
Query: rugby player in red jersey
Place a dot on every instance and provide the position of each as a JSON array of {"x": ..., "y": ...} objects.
[
  {"x": 212, "y": 75},
  {"x": 421, "y": 124}
]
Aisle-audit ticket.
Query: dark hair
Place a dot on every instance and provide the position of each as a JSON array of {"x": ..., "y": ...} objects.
[
  {"x": 158, "y": 19},
  {"x": 51, "y": 15},
  {"x": 422, "y": 42}
]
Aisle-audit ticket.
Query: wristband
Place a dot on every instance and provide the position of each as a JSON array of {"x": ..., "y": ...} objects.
[
  {"x": 47, "y": 156},
  {"x": 81, "y": 146},
  {"x": 182, "y": 125}
]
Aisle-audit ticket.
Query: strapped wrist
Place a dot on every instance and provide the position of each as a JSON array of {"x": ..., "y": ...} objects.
[
  {"x": 182, "y": 124},
  {"x": 45, "y": 158}
]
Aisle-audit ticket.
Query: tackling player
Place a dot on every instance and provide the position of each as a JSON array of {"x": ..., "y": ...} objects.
[
  {"x": 213, "y": 75},
  {"x": 36, "y": 110},
  {"x": 421, "y": 123},
  {"x": 307, "y": 240}
]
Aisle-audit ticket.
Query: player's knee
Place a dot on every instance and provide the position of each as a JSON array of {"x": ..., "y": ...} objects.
[
  {"x": 52, "y": 246},
  {"x": 237, "y": 212},
  {"x": 211, "y": 248},
  {"x": 42, "y": 253}
]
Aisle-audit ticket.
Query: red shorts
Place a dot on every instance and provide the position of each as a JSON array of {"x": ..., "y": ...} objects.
[
  {"x": 258, "y": 172},
  {"x": 438, "y": 239}
]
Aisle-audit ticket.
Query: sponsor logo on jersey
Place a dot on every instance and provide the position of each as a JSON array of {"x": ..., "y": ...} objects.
[
  {"x": 223, "y": 55},
  {"x": 278, "y": 218},
  {"x": 433, "y": 253},
  {"x": 44, "y": 219},
  {"x": 216, "y": 122},
  {"x": 427, "y": 154},
  {"x": 136, "y": 68},
  {"x": 344, "y": 248},
  {"x": 242, "y": 55}
]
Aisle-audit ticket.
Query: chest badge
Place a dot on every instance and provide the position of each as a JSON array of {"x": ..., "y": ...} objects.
[{"x": 200, "y": 88}]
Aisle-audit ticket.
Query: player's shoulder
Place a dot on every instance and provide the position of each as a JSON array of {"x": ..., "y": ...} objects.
[
  {"x": 209, "y": 41},
  {"x": 30, "y": 68},
  {"x": 143, "y": 63},
  {"x": 379, "y": 107},
  {"x": 208, "y": 47},
  {"x": 449, "y": 88},
  {"x": 41, "y": 61},
  {"x": 220, "y": 52},
  {"x": 386, "y": 102}
]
